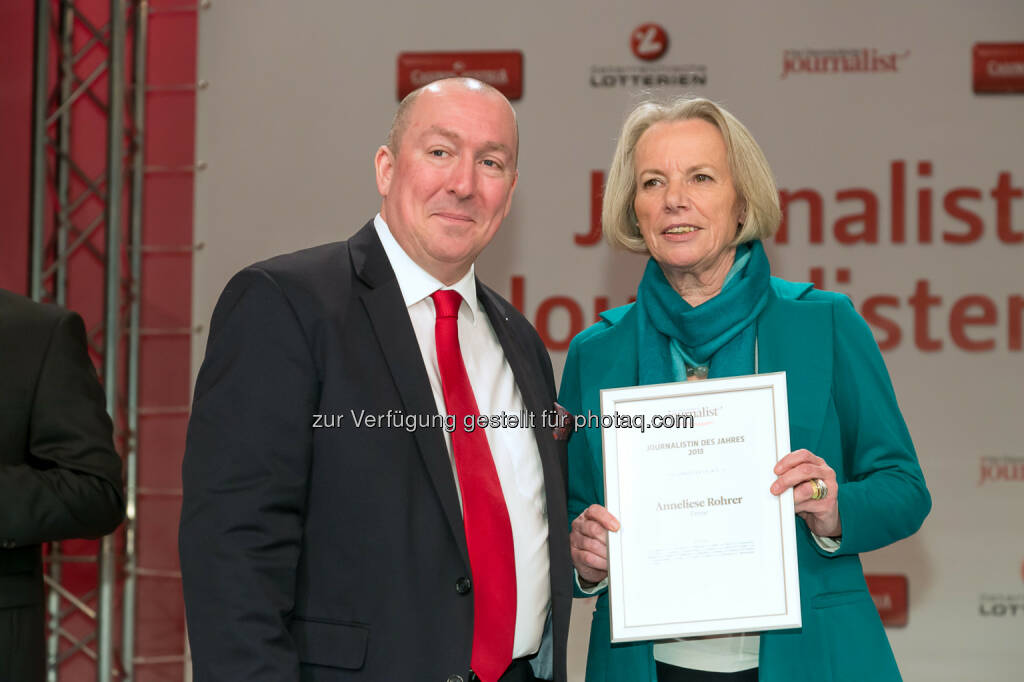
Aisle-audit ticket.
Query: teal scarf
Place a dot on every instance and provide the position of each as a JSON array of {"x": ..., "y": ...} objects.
[{"x": 720, "y": 331}]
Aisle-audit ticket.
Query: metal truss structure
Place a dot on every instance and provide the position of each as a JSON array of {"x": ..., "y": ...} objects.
[{"x": 86, "y": 225}]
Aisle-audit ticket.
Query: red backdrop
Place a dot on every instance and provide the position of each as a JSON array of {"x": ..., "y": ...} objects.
[{"x": 166, "y": 289}]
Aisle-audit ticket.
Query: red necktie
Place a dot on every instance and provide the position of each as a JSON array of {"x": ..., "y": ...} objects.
[{"x": 485, "y": 516}]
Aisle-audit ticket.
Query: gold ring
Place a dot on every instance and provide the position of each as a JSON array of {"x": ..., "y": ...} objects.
[{"x": 820, "y": 490}]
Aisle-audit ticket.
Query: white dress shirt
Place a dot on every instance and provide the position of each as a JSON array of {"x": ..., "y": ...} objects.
[{"x": 515, "y": 453}]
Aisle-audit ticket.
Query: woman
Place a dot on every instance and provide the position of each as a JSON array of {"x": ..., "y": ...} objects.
[{"x": 690, "y": 186}]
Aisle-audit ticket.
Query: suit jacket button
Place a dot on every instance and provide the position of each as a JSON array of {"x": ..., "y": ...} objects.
[
  {"x": 455, "y": 678},
  {"x": 463, "y": 585}
]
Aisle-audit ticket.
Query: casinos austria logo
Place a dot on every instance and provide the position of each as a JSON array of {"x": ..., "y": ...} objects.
[
  {"x": 863, "y": 60},
  {"x": 648, "y": 43},
  {"x": 503, "y": 70},
  {"x": 998, "y": 67},
  {"x": 889, "y": 592}
]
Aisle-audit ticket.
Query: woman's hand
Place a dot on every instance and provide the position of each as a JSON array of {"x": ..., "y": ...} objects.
[
  {"x": 589, "y": 543},
  {"x": 797, "y": 470}
]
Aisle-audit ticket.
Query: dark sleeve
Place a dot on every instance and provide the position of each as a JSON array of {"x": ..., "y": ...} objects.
[
  {"x": 70, "y": 484},
  {"x": 544, "y": 360},
  {"x": 884, "y": 498},
  {"x": 245, "y": 478}
]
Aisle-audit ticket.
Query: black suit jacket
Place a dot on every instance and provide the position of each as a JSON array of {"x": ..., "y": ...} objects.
[
  {"x": 60, "y": 476},
  {"x": 335, "y": 553}
]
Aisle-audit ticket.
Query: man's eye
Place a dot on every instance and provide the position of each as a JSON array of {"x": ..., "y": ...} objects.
[
  {"x": 491, "y": 163},
  {"x": 439, "y": 153}
]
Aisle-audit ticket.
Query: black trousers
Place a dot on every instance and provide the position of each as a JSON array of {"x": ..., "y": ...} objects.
[
  {"x": 671, "y": 673},
  {"x": 22, "y": 644}
]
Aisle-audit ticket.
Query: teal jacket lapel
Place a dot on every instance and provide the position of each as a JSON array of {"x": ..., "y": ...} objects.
[
  {"x": 618, "y": 341},
  {"x": 789, "y": 338}
]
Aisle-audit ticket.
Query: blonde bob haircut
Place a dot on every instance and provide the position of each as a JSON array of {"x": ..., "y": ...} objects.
[{"x": 751, "y": 176}]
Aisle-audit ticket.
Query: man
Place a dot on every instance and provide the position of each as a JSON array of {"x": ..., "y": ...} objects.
[
  {"x": 335, "y": 525},
  {"x": 60, "y": 476}
]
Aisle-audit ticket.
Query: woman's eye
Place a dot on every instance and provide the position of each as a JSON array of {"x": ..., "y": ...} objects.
[
  {"x": 651, "y": 182},
  {"x": 701, "y": 177}
]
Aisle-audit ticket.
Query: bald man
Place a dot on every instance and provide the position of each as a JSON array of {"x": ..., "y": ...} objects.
[{"x": 340, "y": 521}]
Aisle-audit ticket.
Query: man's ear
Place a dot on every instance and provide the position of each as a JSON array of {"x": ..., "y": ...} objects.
[
  {"x": 511, "y": 191},
  {"x": 384, "y": 165}
]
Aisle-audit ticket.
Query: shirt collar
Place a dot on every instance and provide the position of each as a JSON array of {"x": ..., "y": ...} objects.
[{"x": 416, "y": 283}]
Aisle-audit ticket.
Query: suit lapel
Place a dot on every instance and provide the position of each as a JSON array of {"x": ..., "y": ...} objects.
[
  {"x": 537, "y": 400},
  {"x": 529, "y": 380},
  {"x": 790, "y": 339},
  {"x": 394, "y": 333}
]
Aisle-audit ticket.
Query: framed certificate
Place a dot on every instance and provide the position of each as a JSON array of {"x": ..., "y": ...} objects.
[{"x": 703, "y": 547}]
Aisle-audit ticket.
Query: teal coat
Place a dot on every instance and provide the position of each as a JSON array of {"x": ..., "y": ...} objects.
[{"x": 842, "y": 408}]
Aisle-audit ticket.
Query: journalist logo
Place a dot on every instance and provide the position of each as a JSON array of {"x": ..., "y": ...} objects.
[{"x": 841, "y": 61}]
